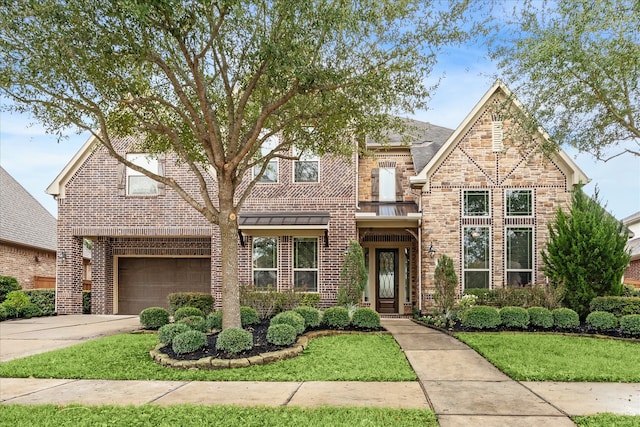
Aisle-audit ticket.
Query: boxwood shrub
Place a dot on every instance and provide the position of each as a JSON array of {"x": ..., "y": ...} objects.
[
  {"x": 189, "y": 341},
  {"x": 310, "y": 299},
  {"x": 281, "y": 334},
  {"x": 201, "y": 300},
  {"x": 234, "y": 340},
  {"x": 311, "y": 315},
  {"x": 187, "y": 311},
  {"x": 248, "y": 316},
  {"x": 630, "y": 324},
  {"x": 540, "y": 317},
  {"x": 197, "y": 323},
  {"x": 45, "y": 299},
  {"x": 336, "y": 317},
  {"x": 289, "y": 318},
  {"x": 168, "y": 332},
  {"x": 154, "y": 317},
  {"x": 514, "y": 317},
  {"x": 366, "y": 318},
  {"x": 619, "y": 306},
  {"x": 565, "y": 318},
  {"x": 602, "y": 321},
  {"x": 214, "y": 320},
  {"x": 481, "y": 317}
]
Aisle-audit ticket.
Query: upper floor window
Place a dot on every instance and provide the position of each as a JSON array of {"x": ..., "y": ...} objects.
[
  {"x": 138, "y": 184},
  {"x": 265, "y": 262},
  {"x": 519, "y": 202},
  {"x": 476, "y": 203},
  {"x": 305, "y": 264},
  {"x": 270, "y": 174},
  {"x": 387, "y": 185},
  {"x": 306, "y": 168}
]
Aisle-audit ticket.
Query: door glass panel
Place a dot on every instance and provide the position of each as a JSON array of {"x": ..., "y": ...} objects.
[{"x": 386, "y": 275}]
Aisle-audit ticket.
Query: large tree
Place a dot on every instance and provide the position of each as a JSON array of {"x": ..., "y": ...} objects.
[
  {"x": 576, "y": 64},
  {"x": 211, "y": 80}
]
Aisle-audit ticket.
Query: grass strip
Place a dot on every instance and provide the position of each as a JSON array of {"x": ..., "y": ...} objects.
[
  {"x": 187, "y": 415},
  {"x": 554, "y": 357},
  {"x": 358, "y": 357},
  {"x": 601, "y": 420}
]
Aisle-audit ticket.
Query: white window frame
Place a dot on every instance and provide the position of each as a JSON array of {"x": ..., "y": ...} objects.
[
  {"x": 508, "y": 192},
  {"x": 387, "y": 184},
  {"x": 464, "y": 203},
  {"x": 489, "y": 260},
  {"x": 307, "y": 269},
  {"x": 268, "y": 145},
  {"x": 146, "y": 161},
  {"x": 507, "y": 263},
  {"x": 305, "y": 158},
  {"x": 255, "y": 269}
]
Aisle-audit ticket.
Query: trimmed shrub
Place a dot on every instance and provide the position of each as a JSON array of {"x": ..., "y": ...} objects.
[
  {"x": 565, "y": 318},
  {"x": 45, "y": 299},
  {"x": 366, "y": 318},
  {"x": 15, "y": 302},
  {"x": 281, "y": 334},
  {"x": 289, "y": 318},
  {"x": 602, "y": 321},
  {"x": 288, "y": 300},
  {"x": 540, "y": 317},
  {"x": 630, "y": 291},
  {"x": 630, "y": 324},
  {"x": 200, "y": 300},
  {"x": 534, "y": 296},
  {"x": 30, "y": 310},
  {"x": 3, "y": 313},
  {"x": 263, "y": 301},
  {"x": 481, "y": 317},
  {"x": 86, "y": 302},
  {"x": 188, "y": 342},
  {"x": 186, "y": 311},
  {"x": 310, "y": 299},
  {"x": 336, "y": 317},
  {"x": 197, "y": 323},
  {"x": 619, "y": 306},
  {"x": 214, "y": 320},
  {"x": 168, "y": 332},
  {"x": 311, "y": 315},
  {"x": 154, "y": 317},
  {"x": 248, "y": 317},
  {"x": 8, "y": 284},
  {"x": 234, "y": 340},
  {"x": 514, "y": 317}
]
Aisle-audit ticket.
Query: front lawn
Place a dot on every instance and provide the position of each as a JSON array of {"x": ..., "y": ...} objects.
[
  {"x": 601, "y": 420},
  {"x": 551, "y": 357},
  {"x": 151, "y": 415},
  {"x": 356, "y": 357}
]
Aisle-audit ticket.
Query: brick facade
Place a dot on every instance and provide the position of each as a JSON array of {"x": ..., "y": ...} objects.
[{"x": 26, "y": 263}]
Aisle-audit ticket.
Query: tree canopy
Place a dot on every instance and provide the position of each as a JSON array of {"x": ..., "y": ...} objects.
[
  {"x": 575, "y": 63},
  {"x": 213, "y": 80}
]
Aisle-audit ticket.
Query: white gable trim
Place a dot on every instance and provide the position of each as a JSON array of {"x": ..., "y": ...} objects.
[{"x": 57, "y": 187}]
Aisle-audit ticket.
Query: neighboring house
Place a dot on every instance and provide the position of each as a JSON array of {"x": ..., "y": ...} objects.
[
  {"x": 632, "y": 273},
  {"x": 468, "y": 193},
  {"x": 27, "y": 236}
]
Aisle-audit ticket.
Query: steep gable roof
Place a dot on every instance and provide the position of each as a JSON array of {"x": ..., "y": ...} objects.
[
  {"x": 574, "y": 174},
  {"x": 23, "y": 220}
]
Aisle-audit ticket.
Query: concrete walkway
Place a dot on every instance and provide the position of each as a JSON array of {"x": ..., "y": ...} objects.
[{"x": 459, "y": 385}]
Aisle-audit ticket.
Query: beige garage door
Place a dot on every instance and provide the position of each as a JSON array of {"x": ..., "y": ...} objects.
[{"x": 146, "y": 282}]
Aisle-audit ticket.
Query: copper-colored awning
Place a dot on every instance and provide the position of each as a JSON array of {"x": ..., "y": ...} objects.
[{"x": 388, "y": 214}]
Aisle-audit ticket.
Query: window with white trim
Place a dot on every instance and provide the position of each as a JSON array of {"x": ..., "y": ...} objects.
[
  {"x": 306, "y": 168},
  {"x": 519, "y": 256},
  {"x": 387, "y": 185},
  {"x": 518, "y": 203},
  {"x": 138, "y": 184},
  {"x": 270, "y": 174},
  {"x": 305, "y": 264},
  {"x": 476, "y": 261},
  {"x": 475, "y": 203},
  {"x": 265, "y": 263}
]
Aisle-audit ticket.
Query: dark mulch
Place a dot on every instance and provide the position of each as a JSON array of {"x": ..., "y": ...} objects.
[{"x": 260, "y": 345}]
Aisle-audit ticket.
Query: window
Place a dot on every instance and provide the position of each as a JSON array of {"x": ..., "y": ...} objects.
[
  {"x": 265, "y": 262},
  {"x": 476, "y": 202},
  {"x": 271, "y": 172},
  {"x": 476, "y": 257},
  {"x": 519, "y": 257},
  {"x": 387, "y": 189},
  {"x": 305, "y": 264},
  {"x": 519, "y": 203},
  {"x": 139, "y": 184},
  {"x": 307, "y": 168}
]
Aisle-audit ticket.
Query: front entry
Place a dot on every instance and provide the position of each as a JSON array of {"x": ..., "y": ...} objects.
[{"x": 387, "y": 280}]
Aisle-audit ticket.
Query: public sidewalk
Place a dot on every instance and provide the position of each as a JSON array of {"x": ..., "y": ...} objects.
[{"x": 459, "y": 385}]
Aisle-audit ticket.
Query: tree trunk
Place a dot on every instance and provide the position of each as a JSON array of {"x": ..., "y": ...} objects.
[{"x": 229, "y": 241}]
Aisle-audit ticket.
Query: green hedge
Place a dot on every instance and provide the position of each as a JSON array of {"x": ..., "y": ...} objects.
[
  {"x": 45, "y": 299},
  {"x": 619, "y": 306},
  {"x": 481, "y": 317},
  {"x": 540, "y": 317},
  {"x": 602, "y": 321},
  {"x": 630, "y": 324},
  {"x": 200, "y": 300},
  {"x": 311, "y": 315},
  {"x": 8, "y": 284},
  {"x": 514, "y": 317},
  {"x": 154, "y": 317},
  {"x": 336, "y": 317},
  {"x": 366, "y": 318},
  {"x": 565, "y": 318},
  {"x": 534, "y": 296}
]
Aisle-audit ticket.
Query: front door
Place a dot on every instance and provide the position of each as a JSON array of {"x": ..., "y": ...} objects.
[{"x": 387, "y": 280}]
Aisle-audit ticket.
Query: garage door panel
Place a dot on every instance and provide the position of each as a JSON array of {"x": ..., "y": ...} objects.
[{"x": 146, "y": 282}]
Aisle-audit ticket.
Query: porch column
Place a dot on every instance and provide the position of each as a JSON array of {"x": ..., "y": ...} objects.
[
  {"x": 69, "y": 275},
  {"x": 102, "y": 277}
]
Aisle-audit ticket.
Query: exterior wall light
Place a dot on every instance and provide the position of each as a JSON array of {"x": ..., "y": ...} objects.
[
  {"x": 62, "y": 257},
  {"x": 431, "y": 251}
]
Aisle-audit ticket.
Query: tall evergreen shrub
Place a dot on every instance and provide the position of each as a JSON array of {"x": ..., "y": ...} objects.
[
  {"x": 353, "y": 275},
  {"x": 446, "y": 282}
]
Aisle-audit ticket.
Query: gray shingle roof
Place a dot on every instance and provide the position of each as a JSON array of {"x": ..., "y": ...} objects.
[{"x": 23, "y": 220}]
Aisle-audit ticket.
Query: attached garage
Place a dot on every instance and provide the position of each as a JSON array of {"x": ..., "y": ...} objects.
[{"x": 146, "y": 282}]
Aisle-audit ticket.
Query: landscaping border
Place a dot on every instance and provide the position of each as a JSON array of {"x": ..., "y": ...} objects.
[{"x": 261, "y": 359}]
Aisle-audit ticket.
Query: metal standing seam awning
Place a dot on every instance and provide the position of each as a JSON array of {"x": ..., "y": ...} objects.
[{"x": 284, "y": 223}]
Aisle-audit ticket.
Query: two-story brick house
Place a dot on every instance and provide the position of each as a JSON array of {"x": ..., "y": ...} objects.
[{"x": 465, "y": 192}]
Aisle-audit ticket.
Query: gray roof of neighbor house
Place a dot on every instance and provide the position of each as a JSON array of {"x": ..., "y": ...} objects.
[{"x": 23, "y": 220}]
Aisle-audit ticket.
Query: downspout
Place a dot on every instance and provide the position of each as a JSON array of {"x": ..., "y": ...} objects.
[{"x": 420, "y": 262}]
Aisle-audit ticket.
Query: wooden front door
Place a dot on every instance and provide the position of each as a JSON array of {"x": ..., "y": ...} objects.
[{"x": 387, "y": 280}]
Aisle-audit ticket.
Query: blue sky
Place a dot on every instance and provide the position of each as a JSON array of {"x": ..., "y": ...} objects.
[{"x": 34, "y": 158}]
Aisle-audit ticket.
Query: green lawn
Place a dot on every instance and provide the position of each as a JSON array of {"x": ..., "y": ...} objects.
[
  {"x": 358, "y": 357},
  {"x": 608, "y": 420},
  {"x": 549, "y": 357},
  {"x": 184, "y": 415}
]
